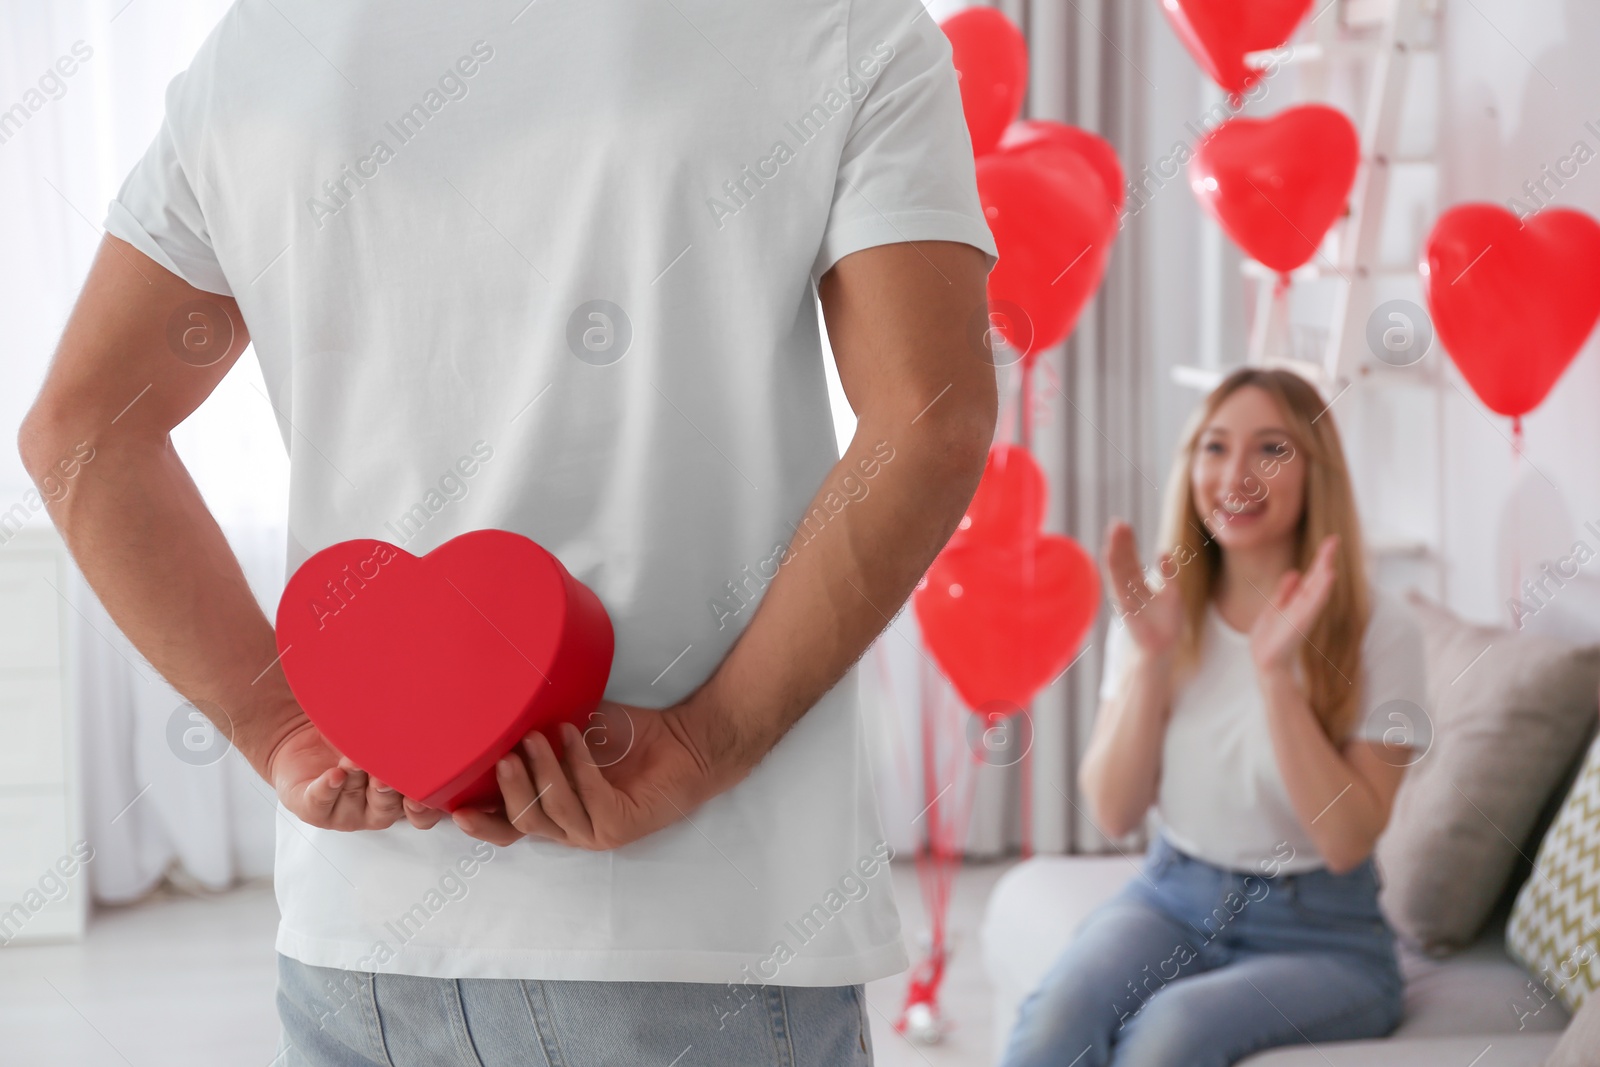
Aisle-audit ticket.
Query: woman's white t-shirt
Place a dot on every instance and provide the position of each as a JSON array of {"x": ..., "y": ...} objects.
[
  {"x": 1222, "y": 797},
  {"x": 573, "y": 249}
]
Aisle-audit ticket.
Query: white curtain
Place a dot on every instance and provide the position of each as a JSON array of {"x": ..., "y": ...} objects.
[{"x": 156, "y": 797}]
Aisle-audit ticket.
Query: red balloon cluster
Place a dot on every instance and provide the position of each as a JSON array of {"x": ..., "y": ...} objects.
[
  {"x": 1051, "y": 193},
  {"x": 1276, "y": 185},
  {"x": 1005, "y": 607},
  {"x": 1512, "y": 301}
]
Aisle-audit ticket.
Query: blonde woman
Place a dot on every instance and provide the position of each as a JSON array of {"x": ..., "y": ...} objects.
[{"x": 1264, "y": 700}]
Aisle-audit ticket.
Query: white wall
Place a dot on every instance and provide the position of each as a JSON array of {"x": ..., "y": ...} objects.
[{"x": 1519, "y": 83}]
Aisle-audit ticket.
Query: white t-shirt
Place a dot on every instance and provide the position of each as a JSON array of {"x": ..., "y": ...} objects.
[
  {"x": 1222, "y": 796},
  {"x": 419, "y": 207}
]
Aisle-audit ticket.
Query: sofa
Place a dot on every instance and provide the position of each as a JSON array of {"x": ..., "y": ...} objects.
[
  {"x": 1455, "y": 1007},
  {"x": 1507, "y": 750}
]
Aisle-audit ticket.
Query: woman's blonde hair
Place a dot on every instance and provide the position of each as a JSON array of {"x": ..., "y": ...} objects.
[{"x": 1331, "y": 656}]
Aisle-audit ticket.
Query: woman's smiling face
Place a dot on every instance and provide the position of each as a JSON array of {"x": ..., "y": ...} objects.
[{"x": 1247, "y": 477}]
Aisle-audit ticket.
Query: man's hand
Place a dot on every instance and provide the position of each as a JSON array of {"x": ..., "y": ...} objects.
[
  {"x": 322, "y": 788},
  {"x": 631, "y": 772}
]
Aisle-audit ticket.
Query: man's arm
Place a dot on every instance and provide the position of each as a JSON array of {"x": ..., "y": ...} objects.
[
  {"x": 899, "y": 318},
  {"x": 140, "y": 352}
]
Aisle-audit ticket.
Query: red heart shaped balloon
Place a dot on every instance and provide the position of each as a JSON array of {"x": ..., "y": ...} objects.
[
  {"x": 1513, "y": 302},
  {"x": 1220, "y": 33},
  {"x": 1276, "y": 185},
  {"x": 1046, "y": 137},
  {"x": 1004, "y": 610},
  {"x": 991, "y": 57},
  {"x": 1009, "y": 503},
  {"x": 1003, "y": 624},
  {"x": 1054, "y": 228},
  {"x": 426, "y": 670}
]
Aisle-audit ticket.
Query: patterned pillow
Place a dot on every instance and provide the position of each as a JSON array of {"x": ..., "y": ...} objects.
[{"x": 1555, "y": 924}]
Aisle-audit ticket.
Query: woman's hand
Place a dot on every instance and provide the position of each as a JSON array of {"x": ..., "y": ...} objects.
[
  {"x": 324, "y": 789},
  {"x": 1154, "y": 617},
  {"x": 632, "y": 772},
  {"x": 1281, "y": 628}
]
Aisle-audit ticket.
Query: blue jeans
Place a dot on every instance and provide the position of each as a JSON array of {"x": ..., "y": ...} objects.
[
  {"x": 1191, "y": 965},
  {"x": 337, "y": 1018}
]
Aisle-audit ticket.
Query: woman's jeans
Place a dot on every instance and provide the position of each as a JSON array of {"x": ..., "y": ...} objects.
[
  {"x": 1195, "y": 966},
  {"x": 337, "y": 1018}
]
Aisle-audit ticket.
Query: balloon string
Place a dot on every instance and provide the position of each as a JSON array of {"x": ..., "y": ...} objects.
[
  {"x": 1516, "y": 548},
  {"x": 928, "y": 854},
  {"x": 1280, "y": 314},
  {"x": 1026, "y": 813},
  {"x": 1027, "y": 403},
  {"x": 955, "y": 820},
  {"x": 947, "y": 822},
  {"x": 1027, "y": 796}
]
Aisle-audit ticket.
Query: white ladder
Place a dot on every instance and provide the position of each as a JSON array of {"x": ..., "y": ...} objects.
[{"x": 1383, "y": 36}]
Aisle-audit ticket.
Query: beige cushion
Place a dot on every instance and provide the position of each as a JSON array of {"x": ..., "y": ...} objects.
[
  {"x": 1510, "y": 713},
  {"x": 1555, "y": 924}
]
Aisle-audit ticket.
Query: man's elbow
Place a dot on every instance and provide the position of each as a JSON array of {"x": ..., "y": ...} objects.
[
  {"x": 967, "y": 446},
  {"x": 35, "y": 440},
  {"x": 50, "y": 437},
  {"x": 964, "y": 431}
]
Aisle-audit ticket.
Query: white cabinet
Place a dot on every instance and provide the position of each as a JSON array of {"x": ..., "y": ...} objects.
[{"x": 44, "y": 884}]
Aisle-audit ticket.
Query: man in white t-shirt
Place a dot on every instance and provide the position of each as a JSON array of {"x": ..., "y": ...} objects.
[{"x": 553, "y": 267}]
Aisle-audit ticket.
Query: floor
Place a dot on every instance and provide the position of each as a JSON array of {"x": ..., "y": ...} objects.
[
  {"x": 187, "y": 981},
  {"x": 964, "y": 999}
]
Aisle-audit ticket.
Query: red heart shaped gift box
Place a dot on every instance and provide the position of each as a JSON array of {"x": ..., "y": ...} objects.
[{"x": 425, "y": 670}]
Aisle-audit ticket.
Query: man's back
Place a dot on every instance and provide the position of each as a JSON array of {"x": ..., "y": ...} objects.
[
  {"x": 579, "y": 236},
  {"x": 550, "y": 268}
]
